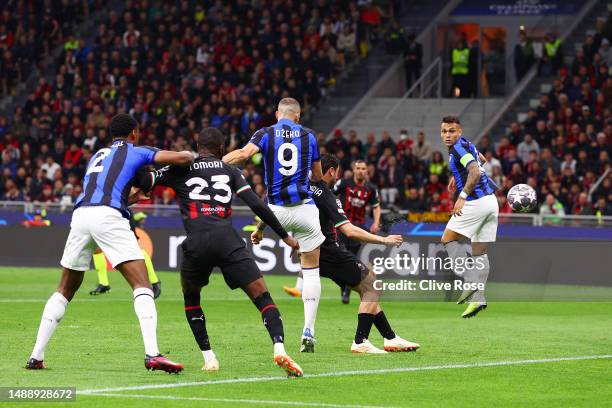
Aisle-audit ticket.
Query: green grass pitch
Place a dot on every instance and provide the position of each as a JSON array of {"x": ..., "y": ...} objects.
[{"x": 98, "y": 346}]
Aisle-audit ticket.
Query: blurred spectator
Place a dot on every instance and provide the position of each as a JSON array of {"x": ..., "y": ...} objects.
[
  {"x": 523, "y": 56},
  {"x": 422, "y": 148},
  {"x": 413, "y": 60}
]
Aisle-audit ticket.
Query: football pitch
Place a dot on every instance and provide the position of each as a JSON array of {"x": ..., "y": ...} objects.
[{"x": 512, "y": 354}]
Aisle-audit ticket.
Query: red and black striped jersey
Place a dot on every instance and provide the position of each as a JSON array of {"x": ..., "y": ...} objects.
[{"x": 355, "y": 197}]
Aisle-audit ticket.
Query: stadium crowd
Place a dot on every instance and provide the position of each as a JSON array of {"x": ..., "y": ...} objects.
[
  {"x": 29, "y": 30},
  {"x": 177, "y": 67},
  {"x": 227, "y": 64}
]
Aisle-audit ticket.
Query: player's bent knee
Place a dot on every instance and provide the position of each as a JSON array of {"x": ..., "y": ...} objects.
[
  {"x": 135, "y": 273},
  {"x": 256, "y": 288}
]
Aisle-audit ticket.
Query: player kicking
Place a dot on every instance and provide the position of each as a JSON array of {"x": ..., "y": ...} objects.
[
  {"x": 354, "y": 194},
  {"x": 101, "y": 219},
  {"x": 290, "y": 152},
  {"x": 474, "y": 215},
  {"x": 343, "y": 267},
  {"x": 205, "y": 193}
]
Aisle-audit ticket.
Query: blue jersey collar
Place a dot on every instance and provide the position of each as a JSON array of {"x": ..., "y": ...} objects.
[{"x": 284, "y": 121}]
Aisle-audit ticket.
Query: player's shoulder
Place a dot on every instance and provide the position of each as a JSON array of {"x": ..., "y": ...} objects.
[
  {"x": 461, "y": 145},
  {"x": 320, "y": 190},
  {"x": 370, "y": 185},
  {"x": 307, "y": 131}
]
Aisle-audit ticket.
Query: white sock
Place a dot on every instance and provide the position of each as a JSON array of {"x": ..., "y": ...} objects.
[
  {"x": 52, "y": 314},
  {"x": 311, "y": 293},
  {"x": 481, "y": 274},
  {"x": 144, "y": 305},
  {"x": 279, "y": 349},
  {"x": 299, "y": 283},
  {"x": 208, "y": 355}
]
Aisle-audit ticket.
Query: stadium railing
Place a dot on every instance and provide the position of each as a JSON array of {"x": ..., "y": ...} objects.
[{"x": 535, "y": 220}]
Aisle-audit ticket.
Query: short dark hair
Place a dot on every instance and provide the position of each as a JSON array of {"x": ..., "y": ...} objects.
[
  {"x": 329, "y": 161},
  {"x": 358, "y": 161},
  {"x": 451, "y": 119},
  {"x": 122, "y": 125},
  {"x": 212, "y": 139}
]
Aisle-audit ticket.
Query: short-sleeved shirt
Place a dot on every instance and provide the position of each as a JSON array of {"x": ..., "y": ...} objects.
[
  {"x": 355, "y": 197},
  {"x": 111, "y": 173},
  {"x": 204, "y": 191},
  {"x": 461, "y": 154},
  {"x": 288, "y": 151},
  {"x": 331, "y": 213}
]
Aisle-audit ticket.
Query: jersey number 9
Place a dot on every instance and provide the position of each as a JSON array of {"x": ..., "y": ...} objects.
[{"x": 290, "y": 164}]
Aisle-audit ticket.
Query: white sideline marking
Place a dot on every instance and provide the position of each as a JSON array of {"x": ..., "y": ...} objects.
[
  {"x": 344, "y": 373},
  {"x": 242, "y": 401},
  {"x": 161, "y": 299}
]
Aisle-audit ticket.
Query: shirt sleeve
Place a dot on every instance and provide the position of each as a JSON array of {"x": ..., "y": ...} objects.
[
  {"x": 166, "y": 176},
  {"x": 147, "y": 154},
  {"x": 239, "y": 183},
  {"x": 144, "y": 179},
  {"x": 260, "y": 139},
  {"x": 462, "y": 155},
  {"x": 374, "y": 202},
  {"x": 331, "y": 206}
]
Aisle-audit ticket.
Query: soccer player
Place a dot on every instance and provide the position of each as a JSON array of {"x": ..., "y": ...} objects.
[
  {"x": 290, "y": 152},
  {"x": 205, "y": 192},
  {"x": 100, "y": 218},
  {"x": 101, "y": 268},
  {"x": 355, "y": 194},
  {"x": 474, "y": 214},
  {"x": 343, "y": 266}
]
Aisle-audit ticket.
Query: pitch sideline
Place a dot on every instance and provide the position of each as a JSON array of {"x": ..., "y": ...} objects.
[{"x": 102, "y": 391}]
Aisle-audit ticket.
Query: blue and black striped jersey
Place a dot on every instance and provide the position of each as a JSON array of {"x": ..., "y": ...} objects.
[
  {"x": 288, "y": 151},
  {"x": 462, "y": 153},
  {"x": 111, "y": 173}
]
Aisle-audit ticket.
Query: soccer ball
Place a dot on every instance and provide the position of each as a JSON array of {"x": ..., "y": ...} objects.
[{"x": 522, "y": 198}]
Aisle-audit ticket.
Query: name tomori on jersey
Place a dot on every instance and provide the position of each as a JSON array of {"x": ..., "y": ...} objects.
[{"x": 206, "y": 165}]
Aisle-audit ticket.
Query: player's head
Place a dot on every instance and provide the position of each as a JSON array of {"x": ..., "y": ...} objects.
[
  {"x": 211, "y": 140},
  {"x": 450, "y": 130},
  {"x": 288, "y": 108},
  {"x": 124, "y": 126},
  {"x": 360, "y": 170},
  {"x": 331, "y": 167}
]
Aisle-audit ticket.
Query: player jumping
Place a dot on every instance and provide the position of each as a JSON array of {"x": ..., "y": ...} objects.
[
  {"x": 474, "y": 215},
  {"x": 343, "y": 267},
  {"x": 290, "y": 152},
  {"x": 100, "y": 219},
  {"x": 205, "y": 193}
]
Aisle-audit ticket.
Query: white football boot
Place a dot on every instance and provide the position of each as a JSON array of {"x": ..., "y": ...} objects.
[
  {"x": 399, "y": 344},
  {"x": 366, "y": 347}
]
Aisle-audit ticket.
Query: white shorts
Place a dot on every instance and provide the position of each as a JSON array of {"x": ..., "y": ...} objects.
[
  {"x": 103, "y": 227},
  {"x": 478, "y": 219},
  {"x": 302, "y": 221}
]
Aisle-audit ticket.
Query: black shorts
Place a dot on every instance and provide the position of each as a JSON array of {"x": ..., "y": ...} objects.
[
  {"x": 220, "y": 247},
  {"x": 342, "y": 266}
]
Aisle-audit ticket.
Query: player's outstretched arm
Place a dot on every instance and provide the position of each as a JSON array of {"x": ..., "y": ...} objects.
[
  {"x": 267, "y": 216},
  {"x": 358, "y": 234},
  {"x": 166, "y": 157},
  {"x": 238, "y": 156}
]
